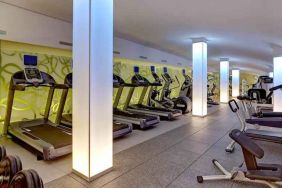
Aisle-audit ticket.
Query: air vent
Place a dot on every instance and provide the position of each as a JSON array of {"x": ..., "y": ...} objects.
[
  {"x": 143, "y": 57},
  {"x": 116, "y": 52},
  {"x": 2, "y": 32},
  {"x": 65, "y": 43},
  {"x": 164, "y": 61}
]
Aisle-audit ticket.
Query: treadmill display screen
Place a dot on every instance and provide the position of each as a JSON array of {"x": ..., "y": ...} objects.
[
  {"x": 136, "y": 69},
  {"x": 32, "y": 73},
  {"x": 153, "y": 69},
  {"x": 165, "y": 69},
  {"x": 30, "y": 60}
]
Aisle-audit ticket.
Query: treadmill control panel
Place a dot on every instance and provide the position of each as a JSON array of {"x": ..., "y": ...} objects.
[
  {"x": 139, "y": 78},
  {"x": 166, "y": 75},
  {"x": 31, "y": 72}
]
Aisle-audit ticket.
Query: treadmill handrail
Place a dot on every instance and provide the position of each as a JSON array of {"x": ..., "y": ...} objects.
[
  {"x": 276, "y": 88},
  {"x": 130, "y": 85}
]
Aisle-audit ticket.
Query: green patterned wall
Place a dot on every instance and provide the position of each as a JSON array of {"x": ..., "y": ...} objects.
[
  {"x": 57, "y": 63},
  {"x": 24, "y": 108}
]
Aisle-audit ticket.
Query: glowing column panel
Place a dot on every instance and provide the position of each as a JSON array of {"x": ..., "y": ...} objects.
[
  {"x": 270, "y": 74},
  {"x": 199, "y": 102},
  {"x": 235, "y": 83},
  {"x": 224, "y": 80},
  {"x": 92, "y": 87},
  {"x": 277, "y": 80}
]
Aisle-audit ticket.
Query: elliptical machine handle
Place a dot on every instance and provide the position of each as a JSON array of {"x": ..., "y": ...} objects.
[
  {"x": 178, "y": 83},
  {"x": 235, "y": 107},
  {"x": 275, "y": 88}
]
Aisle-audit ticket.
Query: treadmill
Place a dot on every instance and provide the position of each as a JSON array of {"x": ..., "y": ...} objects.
[
  {"x": 140, "y": 81},
  {"x": 44, "y": 138},
  {"x": 119, "y": 129},
  {"x": 140, "y": 120},
  {"x": 65, "y": 119}
]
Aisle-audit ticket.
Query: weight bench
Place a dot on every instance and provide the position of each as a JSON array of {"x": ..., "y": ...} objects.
[
  {"x": 258, "y": 134},
  {"x": 267, "y": 174}
]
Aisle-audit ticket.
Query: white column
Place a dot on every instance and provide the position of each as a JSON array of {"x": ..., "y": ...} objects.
[
  {"x": 199, "y": 102},
  {"x": 277, "y": 80},
  {"x": 235, "y": 83},
  {"x": 224, "y": 80},
  {"x": 92, "y": 87},
  {"x": 270, "y": 74}
]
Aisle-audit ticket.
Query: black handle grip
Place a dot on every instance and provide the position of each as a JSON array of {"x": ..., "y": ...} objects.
[
  {"x": 275, "y": 88},
  {"x": 234, "y": 109}
]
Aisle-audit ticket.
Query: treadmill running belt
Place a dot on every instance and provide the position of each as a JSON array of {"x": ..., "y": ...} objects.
[
  {"x": 51, "y": 134},
  {"x": 119, "y": 126},
  {"x": 156, "y": 108},
  {"x": 132, "y": 115}
]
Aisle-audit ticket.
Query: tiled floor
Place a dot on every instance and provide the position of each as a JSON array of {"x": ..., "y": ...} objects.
[
  {"x": 175, "y": 158},
  {"x": 51, "y": 170}
]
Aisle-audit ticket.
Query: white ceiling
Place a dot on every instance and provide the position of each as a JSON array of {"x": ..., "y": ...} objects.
[
  {"x": 243, "y": 30},
  {"x": 60, "y": 9}
]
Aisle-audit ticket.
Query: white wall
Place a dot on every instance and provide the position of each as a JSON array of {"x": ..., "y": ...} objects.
[
  {"x": 28, "y": 27},
  {"x": 132, "y": 50}
]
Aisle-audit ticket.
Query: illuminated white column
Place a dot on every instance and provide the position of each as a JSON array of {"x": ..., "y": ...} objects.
[
  {"x": 224, "y": 80},
  {"x": 277, "y": 80},
  {"x": 270, "y": 74},
  {"x": 235, "y": 83},
  {"x": 92, "y": 87},
  {"x": 199, "y": 102}
]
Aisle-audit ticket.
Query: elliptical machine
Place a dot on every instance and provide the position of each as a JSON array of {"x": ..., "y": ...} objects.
[
  {"x": 211, "y": 93},
  {"x": 186, "y": 88},
  {"x": 182, "y": 103}
]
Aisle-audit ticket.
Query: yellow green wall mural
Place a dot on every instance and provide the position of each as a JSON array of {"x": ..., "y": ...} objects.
[
  {"x": 247, "y": 80},
  {"x": 57, "y": 62}
]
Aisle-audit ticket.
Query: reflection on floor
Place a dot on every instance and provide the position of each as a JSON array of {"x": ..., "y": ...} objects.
[
  {"x": 175, "y": 158},
  {"x": 52, "y": 170}
]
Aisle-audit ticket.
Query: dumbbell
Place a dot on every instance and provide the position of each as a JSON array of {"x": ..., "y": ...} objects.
[
  {"x": 12, "y": 175},
  {"x": 9, "y": 166},
  {"x": 26, "y": 179}
]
